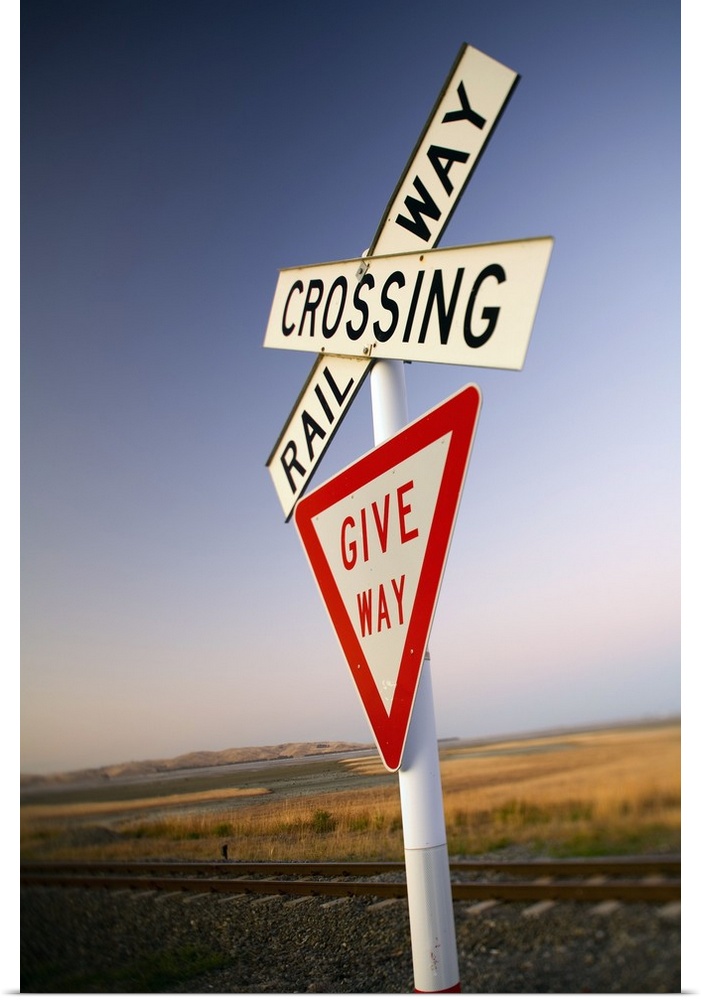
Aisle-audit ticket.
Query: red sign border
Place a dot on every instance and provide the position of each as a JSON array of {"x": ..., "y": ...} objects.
[{"x": 458, "y": 417}]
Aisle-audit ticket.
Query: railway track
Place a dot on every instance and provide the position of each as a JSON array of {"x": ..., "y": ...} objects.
[{"x": 650, "y": 880}]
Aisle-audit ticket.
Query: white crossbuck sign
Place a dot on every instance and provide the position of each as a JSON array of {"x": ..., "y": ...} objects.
[{"x": 403, "y": 299}]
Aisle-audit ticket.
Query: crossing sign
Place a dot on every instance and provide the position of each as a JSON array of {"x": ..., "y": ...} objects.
[
  {"x": 377, "y": 534},
  {"x": 471, "y": 305},
  {"x": 377, "y": 537},
  {"x": 452, "y": 142}
]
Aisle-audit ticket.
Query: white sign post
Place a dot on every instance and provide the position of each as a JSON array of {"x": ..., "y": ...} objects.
[
  {"x": 431, "y": 919},
  {"x": 472, "y": 303}
]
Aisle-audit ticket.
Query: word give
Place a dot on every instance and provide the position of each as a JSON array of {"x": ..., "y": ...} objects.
[{"x": 366, "y": 536}]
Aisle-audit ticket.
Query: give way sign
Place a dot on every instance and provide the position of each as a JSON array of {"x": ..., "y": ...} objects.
[{"x": 377, "y": 537}]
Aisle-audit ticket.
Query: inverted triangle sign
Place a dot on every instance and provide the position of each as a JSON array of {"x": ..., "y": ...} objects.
[{"x": 377, "y": 537}]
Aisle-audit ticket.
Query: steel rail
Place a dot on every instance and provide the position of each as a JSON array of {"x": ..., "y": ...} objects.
[
  {"x": 611, "y": 867},
  {"x": 657, "y": 892},
  {"x": 131, "y": 876}
]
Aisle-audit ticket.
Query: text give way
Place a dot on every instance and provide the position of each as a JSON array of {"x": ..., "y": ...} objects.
[{"x": 377, "y": 537}]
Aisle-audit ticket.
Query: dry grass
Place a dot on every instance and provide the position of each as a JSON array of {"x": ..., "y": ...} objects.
[
  {"x": 83, "y": 810},
  {"x": 617, "y": 791}
]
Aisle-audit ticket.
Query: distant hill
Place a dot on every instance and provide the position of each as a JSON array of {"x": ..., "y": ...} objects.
[{"x": 188, "y": 761}]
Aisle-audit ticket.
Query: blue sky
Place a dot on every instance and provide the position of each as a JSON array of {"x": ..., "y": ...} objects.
[{"x": 175, "y": 156}]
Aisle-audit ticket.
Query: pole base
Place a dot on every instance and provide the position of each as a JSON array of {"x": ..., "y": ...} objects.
[{"x": 451, "y": 989}]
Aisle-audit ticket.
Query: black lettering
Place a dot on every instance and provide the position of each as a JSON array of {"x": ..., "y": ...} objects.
[
  {"x": 310, "y": 304},
  {"x": 412, "y": 307},
  {"x": 465, "y": 113},
  {"x": 418, "y": 209},
  {"x": 445, "y": 316},
  {"x": 361, "y": 306},
  {"x": 395, "y": 278},
  {"x": 339, "y": 395},
  {"x": 489, "y": 313},
  {"x": 287, "y": 330},
  {"x": 328, "y": 331},
  {"x": 311, "y": 430},
  {"x": 324, "y": 405},
  {"x": 442, "y": 160},
  {"x": 290, "y": 463}
]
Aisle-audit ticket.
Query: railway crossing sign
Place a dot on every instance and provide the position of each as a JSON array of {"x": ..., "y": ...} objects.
[
  {"x": 377, "y": 537},
  {"x": 471, "y": 305},
  {"x": 464, "y": 116},
  {"x": 377, "y": 534}
]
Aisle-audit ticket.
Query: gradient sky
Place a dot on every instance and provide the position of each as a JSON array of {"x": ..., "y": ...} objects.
[{"x": 175, "y": 155}]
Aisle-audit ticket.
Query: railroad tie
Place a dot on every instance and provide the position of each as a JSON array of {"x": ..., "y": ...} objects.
[
  {"x": 477, "y": 908},
  {"x": 543, "y": 905},
  {"x": 538, "y": 908},
  {"x": 607, "y": 905},
  {"x": 335, "y": 902},
  {"x": 671, "y": 911},
  {"x": 384, "y": 903}
]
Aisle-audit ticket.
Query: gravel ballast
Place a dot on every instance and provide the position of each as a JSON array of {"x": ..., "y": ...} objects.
[{"x": 103, "y": 941}]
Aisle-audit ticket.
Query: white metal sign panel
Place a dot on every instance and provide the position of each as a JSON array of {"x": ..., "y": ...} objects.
[
  {"x": 461, "y": 306},
  {"x": 328, "y": 392},
  {"x": 463, "y": 118},
  {"x": 375, "y": 543},
  {"x": 468, "y": 108},
  {"x": 377, "y": 537}
]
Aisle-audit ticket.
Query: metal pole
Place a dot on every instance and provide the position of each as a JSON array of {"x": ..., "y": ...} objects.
[{"x": 431, "y": 918}]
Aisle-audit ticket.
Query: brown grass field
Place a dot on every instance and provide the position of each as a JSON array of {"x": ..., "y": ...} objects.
[{"x": 615, "y": 791}]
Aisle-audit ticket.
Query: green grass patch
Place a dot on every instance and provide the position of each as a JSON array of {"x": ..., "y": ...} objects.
[
  {"x": 604, "y": 841},
  {"x": 323, "y": 821}
]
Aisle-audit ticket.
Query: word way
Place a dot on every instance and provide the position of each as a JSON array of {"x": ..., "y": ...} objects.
[{"x": 367, "y": 535}]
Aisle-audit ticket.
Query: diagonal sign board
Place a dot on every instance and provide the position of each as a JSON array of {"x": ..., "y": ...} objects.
[
  {"x": 331, "y": 387},
  {"x": 377, "y": 537},
  {"x": 454, "y": 137},
  {"x": 456, "y": 133}
]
